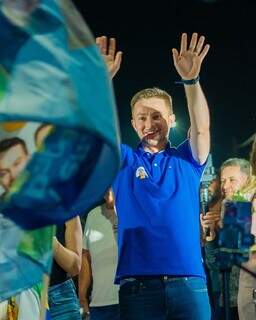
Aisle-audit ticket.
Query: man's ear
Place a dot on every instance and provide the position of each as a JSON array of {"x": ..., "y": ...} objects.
[
  {"x": 172, "y": 119},
  {"x": 133, "y": 124}
]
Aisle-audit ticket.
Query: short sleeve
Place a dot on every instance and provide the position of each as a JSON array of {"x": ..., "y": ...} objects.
[{"x": 185, "y": 152}]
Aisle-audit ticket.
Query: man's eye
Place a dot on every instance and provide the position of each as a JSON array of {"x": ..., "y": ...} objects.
[
  {"x": 3, "y": 174},
  {"x": 17, "y": 162}
]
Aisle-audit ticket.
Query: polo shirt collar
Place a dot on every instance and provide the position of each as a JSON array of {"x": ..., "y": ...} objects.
[{"x": 142, "y": 151}]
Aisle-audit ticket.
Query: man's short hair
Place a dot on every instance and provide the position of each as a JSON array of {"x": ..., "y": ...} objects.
[
  {"x": 243, "y": 164},
  {"x": 8, "y": 143},
  {"x": 152, "y": 93}
]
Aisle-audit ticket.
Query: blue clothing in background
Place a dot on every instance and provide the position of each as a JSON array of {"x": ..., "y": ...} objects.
[{"x": 63, "y": 301}]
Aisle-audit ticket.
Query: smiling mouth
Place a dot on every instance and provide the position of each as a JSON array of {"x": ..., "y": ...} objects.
[
  {"x": 228, "y": 194},
  {"x": 150, "y": 134}
]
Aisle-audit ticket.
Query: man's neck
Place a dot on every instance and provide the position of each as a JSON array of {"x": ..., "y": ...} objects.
[{"x": 154, "y": 149}]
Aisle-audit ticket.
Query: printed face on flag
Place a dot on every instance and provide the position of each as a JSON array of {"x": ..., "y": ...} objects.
[
  {"x": 15, "y": 150},
  {"x": 12, "y": 161}
]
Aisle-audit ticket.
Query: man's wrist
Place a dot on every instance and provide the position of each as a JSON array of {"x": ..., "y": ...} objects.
[{"x": 188, "y": 82}]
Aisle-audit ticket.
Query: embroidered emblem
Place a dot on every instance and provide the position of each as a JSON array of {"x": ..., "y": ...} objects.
[{"x": 141, "y": 173}]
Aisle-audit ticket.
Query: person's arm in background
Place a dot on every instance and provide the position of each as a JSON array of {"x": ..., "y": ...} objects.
[
  {"x": 85, "y": 281},
  {"x": 209, "y": 222},
  {"x": 109, "y": 210},
  {"x": 69, "y": 257},
  {"x": 188, "y": 64}
]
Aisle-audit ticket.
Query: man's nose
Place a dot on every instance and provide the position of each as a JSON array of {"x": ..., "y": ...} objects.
[
  {"x": 148, "y": 123},
  {"x": 13, "y": 174},
  {"x": 225, "y": 185}
]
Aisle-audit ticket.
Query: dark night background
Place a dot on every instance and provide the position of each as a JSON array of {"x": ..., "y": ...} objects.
[{"x": 147, "y": 32}]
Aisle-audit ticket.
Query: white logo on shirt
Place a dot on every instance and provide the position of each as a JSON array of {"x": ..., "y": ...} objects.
[{"x": 141, "y": 173}]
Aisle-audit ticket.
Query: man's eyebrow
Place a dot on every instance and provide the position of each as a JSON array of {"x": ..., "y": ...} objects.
[
  {"x": 228, "y": 177},
  {"x": 144, "y": 113},
  {"x": 3, "y": 170}
]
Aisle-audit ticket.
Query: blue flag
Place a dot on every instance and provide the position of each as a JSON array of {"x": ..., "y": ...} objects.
[
  {"x": 52, "y": 73},
  {"x": 48, "y": 316},
  {"x": 24, "y": 257}
]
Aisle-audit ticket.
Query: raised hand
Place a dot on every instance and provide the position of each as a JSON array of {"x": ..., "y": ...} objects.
[
  {"x": 112, "y": 57},
  {"x": 188, "y": 61}
]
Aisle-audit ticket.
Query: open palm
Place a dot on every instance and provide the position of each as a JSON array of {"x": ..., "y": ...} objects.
[
  {"x": 108, "y": 50},
  {"x": 188, "y": 61}
]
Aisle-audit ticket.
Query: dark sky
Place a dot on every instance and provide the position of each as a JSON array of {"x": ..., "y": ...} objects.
[{"x": 147, "y": 32}]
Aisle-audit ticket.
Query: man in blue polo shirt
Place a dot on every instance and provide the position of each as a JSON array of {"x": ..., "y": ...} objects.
[{"x": 160, "y": 268}]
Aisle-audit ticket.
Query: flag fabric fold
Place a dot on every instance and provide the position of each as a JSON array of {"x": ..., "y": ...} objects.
[
  {"x": 51, "y": 72},
  {"x": 24, "y": 257}
]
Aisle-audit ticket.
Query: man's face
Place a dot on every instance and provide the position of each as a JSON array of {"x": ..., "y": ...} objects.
[
  {"x": 232, "y": 180},
  {"x": 12, "y": 162},
  {"x": 213, "y": 187},
  {"x": 152, "y": 120}
]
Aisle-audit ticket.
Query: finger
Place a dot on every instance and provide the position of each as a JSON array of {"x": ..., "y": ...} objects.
[
  {"x": 118, "y": 60},
  {"x": 204, "y": 52},
  {"x": 112, "y": 47},
  {"x": 193, "y": 42},
  {"x": 212, "y": 212},
  {"x": 183, "y": 43},
  {"x": 208, "y": 224},
  {"x": 104, "y": 41},
  {"x": 200, "y": 44},
  {"x": 212, "y": 219},
  {"x": 175, "y": 56},
  {"x": 213, "y": 215},
  {"x": 99, "y": 43}
]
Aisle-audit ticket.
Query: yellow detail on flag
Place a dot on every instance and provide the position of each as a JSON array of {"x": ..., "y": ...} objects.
[
  {"x": 12, "y": 309},
  {"x": 12, "y": 126}
]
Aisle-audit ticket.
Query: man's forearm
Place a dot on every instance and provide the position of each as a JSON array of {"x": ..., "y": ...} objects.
[
  {"x": 67, "y": 259},
  {"x": 200, "y": 121},
  {"x": 83, "y": 289},
  {"x": 198, "y": 108},
  {"x": 85, "y": 277}
]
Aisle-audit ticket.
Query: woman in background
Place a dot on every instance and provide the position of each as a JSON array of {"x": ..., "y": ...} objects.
[{"x": 67, "y": 249}]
